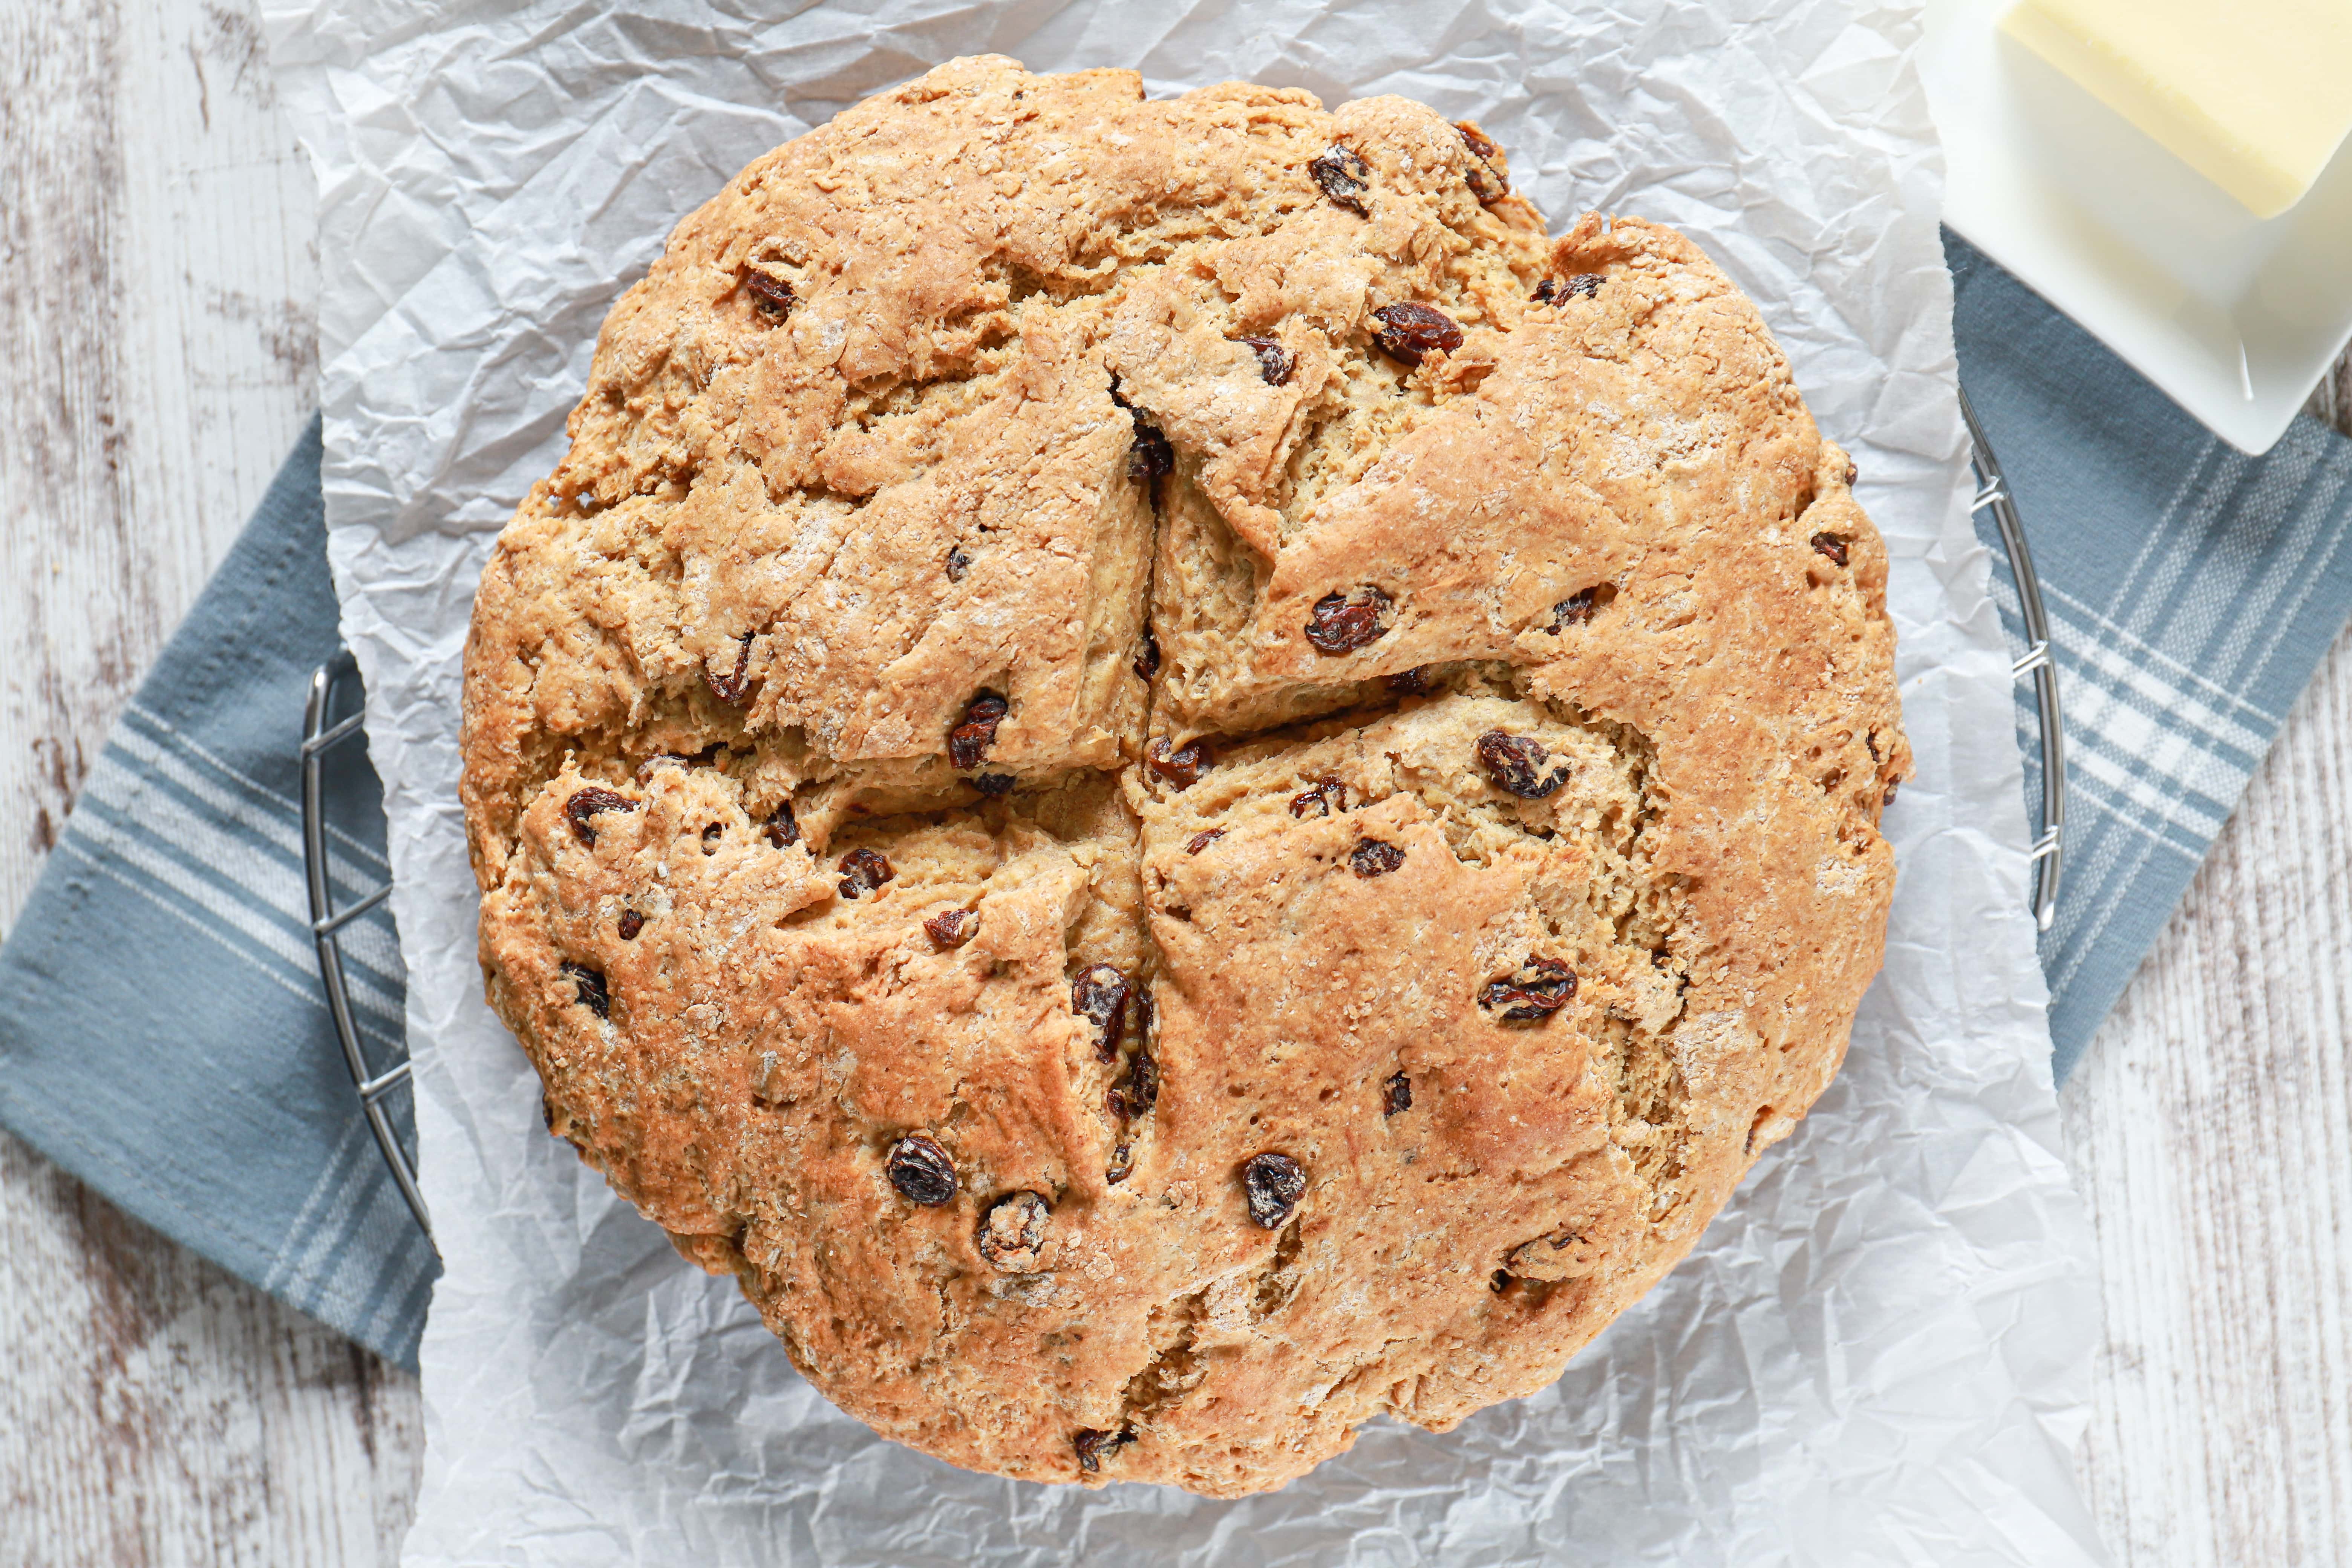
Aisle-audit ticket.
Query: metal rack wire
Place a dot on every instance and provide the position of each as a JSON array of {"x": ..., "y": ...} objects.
[
  {"x": 327, "y": 922},
  {"x": 2049, "y": 852}
]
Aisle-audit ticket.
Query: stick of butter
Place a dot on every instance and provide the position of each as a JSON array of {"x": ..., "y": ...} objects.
[{"x": 2255, "y": 95}]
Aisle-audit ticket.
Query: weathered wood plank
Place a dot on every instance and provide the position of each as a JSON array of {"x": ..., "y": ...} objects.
[
  {"x": 2331, "y": 400},
  {"x": 2210, "y": 1126},
  {"x": 156, "y": 290},
  {"x": 155, "y": 1410},
  {"x": 157, "y": 310}
]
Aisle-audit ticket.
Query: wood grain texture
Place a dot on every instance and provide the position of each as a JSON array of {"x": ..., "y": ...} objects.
[
  {"x": 157, "y": 277},
  {"x": 156, "y": 290},
  {"x": 2331, "y": 400},
  {"x": 155, "y": 1410},
  {"x": 2210, "y": 1126}
]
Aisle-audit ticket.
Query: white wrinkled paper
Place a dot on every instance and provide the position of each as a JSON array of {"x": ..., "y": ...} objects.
[{"x": 1880, "y": 1352}]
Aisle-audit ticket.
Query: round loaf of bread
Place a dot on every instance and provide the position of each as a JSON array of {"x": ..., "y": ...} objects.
[{"x": 1168, "y": 778}]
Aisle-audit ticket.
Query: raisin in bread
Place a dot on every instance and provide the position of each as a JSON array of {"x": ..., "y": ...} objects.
[{"x": 1169, "y": 779}]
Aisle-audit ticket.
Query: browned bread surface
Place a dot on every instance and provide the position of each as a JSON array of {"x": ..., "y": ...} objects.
[{"x": 1171, "y": 780}]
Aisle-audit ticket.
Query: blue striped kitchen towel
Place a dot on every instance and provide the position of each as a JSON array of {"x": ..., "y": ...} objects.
[
  {"x": 2191, "y": 592},
  {"x": 162, "y": 1032}
]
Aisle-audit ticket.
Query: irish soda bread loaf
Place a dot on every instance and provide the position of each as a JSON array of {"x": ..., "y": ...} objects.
[{"x": 1169, "y": 779}]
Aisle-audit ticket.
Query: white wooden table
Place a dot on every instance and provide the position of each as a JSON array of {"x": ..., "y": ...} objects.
[{"x": 156, "y": 315}]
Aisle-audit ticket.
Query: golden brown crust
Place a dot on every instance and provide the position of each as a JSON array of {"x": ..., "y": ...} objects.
[{"x": 1138, "y": 972}]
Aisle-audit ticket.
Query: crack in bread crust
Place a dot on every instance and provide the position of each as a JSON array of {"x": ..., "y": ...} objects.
[{"x": 1361, "y": 833}]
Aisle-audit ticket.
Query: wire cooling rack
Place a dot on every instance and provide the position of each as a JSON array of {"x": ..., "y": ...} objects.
[
  {"x": 327, "y": 922},
  {"x": 2049, "y": 852}
]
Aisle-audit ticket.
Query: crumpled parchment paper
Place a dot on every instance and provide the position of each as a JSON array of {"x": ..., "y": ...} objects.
[{"x": 1880, "y": 1352}]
